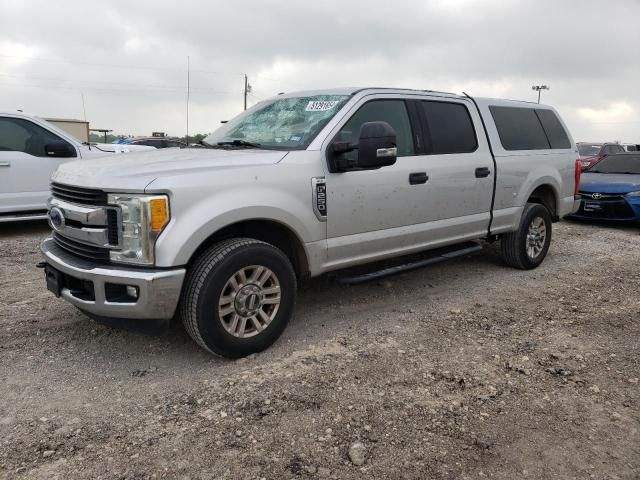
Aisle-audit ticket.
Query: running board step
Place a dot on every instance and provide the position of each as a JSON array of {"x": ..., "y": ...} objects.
[{"x": 459, "y": 251}]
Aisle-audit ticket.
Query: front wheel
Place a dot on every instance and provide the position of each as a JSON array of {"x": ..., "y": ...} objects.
[
  {"x": 238, "y": 297},
  {"x": 527, "y": 247}
]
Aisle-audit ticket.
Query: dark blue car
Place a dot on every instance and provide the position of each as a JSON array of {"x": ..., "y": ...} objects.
[{"x": 610, "y": 189}]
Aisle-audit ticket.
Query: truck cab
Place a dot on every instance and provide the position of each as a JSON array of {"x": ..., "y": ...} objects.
[{"x": 300, "y": 185}]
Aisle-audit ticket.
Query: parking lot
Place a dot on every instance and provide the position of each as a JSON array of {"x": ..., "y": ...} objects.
[{"x": 463, "y": 370}]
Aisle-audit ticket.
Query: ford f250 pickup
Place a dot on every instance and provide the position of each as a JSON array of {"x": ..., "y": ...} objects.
[{"x": 299, "y": 185}]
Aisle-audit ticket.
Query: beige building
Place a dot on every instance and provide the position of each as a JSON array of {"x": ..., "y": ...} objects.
[{"x": 76, "y": 128}]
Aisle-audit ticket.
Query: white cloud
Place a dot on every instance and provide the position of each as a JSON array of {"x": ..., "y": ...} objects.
[
  {"x": 129, "y": 58},
  {"x": 619, "y": 112}
]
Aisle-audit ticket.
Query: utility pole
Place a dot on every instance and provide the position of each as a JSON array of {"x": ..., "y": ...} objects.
[
  {"x": 188, "y": 94},
  {"x": 247, "y": 90},
  {"x": 539, "y": 88}
]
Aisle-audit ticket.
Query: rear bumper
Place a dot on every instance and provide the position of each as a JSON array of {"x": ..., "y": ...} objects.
[
  {"x": 158, "y": 290},
  {"x": 568, "y": 206}
]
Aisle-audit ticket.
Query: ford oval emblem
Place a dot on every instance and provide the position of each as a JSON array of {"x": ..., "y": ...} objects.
[{"x": 56, "y": 219}]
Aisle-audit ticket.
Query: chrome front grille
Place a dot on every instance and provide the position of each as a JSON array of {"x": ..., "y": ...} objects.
[{"x": 83, "y": 224}]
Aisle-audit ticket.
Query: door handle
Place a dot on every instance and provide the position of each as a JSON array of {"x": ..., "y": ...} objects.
[
  {"x": 5, "y": 164},
  {"x": 417, "y": 178},
  {"x": 482, "y": 172}
]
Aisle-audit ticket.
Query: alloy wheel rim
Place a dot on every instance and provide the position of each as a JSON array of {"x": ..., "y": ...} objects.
[
  {"x": 249, "y": 301},
  {"x": 536, "y": 237}
]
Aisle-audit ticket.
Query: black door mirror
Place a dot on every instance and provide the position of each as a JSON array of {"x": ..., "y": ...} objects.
[
  {"x": 377, "y": 147},
  {"x": 59, "y": 149}
]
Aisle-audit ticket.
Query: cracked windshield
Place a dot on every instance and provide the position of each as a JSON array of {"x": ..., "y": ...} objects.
[{"x": 288, "y": 123}]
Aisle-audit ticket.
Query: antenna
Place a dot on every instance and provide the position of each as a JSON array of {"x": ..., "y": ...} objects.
[
  {"x": 84, "y": 112},
  {"x": 188, "y": 94}
]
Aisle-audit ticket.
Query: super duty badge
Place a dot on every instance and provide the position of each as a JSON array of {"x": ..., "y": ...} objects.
[{"x": 319, "y": 191}]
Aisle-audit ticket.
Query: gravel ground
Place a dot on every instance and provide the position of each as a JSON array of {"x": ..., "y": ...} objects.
[{"x": 464, "y": 370}]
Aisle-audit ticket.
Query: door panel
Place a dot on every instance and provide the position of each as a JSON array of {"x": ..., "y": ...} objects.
[
  {"x": 24, "y": 185},
  {"x": 386, "y": 212},
  {"x": 373, "y": 200},
  {"x": 460, "y": 168}
]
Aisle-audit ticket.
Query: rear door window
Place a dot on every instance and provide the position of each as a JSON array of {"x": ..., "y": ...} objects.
[
  {"x": 449, "y": 128},
  {"x": 556, "y": 133},
  {"x": 519, "y": 128}
]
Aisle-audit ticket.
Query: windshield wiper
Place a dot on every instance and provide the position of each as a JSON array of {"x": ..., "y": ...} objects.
[{"x": 240, "y": 143}]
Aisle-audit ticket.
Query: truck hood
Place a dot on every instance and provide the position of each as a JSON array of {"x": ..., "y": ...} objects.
[
  {"x": 609, "y": 183},
  {"x": 134, "y": 171}
]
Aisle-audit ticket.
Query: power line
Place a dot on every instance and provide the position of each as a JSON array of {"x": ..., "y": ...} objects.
[
  {"x": 255, "y": 98},
  {"x": 205, "y": 91},
  {"x": 134, "y": 85},
  {"x": 113, "y": 65}
]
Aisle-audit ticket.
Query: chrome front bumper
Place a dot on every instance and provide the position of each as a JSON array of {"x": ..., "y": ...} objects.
[{"x": 158, "y": 290}]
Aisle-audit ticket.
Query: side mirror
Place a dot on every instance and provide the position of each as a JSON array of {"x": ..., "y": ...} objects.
[
  {"x": 377, "y": 147},
  {"x": 59, "y": 149}
]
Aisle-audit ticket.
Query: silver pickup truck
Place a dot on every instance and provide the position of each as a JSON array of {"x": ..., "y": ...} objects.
[{"x": 299, "y": 185}]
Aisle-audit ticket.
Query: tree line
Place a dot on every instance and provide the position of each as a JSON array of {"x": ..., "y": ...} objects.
[{"x": 98, "y": 138}]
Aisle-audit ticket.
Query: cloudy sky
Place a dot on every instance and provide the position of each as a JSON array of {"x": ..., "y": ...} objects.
[{"x": 129, "y": 58}]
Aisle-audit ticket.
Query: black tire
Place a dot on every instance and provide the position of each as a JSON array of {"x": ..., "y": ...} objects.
[
  {"x": 204, "y": 286},
  {"x": 514, "y": 244}
]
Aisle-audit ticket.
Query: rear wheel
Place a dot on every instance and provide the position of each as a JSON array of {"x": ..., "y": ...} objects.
[
  {"x": 238, "y": 297},
  {"x": 527, "y": 247}
]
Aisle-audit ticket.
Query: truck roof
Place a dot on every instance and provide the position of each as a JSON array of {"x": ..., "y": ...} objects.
[{"x": 356, "y": 90}]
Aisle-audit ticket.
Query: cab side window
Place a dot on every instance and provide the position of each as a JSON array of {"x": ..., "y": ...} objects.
[
  {"x": 394, "y": 112},
  {"x": 449, "y": 128},
  {"x": 19, "y": 135}
]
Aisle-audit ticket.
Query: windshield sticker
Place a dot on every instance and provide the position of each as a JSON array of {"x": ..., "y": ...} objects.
[
  {"x": 295, "y": 138},
  {"x": 320, "y": 106}
]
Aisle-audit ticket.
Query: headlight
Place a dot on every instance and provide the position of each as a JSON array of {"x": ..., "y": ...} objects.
[
  {"x": 634, "y": 194},
  {"x": 143, "y": 219}
]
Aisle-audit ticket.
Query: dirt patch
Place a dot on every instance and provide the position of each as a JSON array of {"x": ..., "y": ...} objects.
[{"x": 463, "y": 370}]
